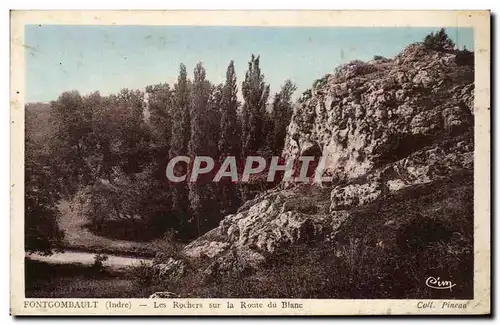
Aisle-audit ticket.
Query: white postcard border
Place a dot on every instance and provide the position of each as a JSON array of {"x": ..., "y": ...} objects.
[{"x": 478, "y": 20}]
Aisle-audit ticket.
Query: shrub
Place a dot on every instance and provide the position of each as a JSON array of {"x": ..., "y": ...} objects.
[
  {"x": 307, "y": 94},
  {"x": 464, "y": 57},
  {"x": 142, "y": 274},
  {"x": 321, "y": 81},
  {"x": 378, "y": 57},
  {"x": 438, "y": 41},
  {"x": 99, "y": 260},
  {"x": 354, "y": 68},
  {"x": 167, "y": 247}
]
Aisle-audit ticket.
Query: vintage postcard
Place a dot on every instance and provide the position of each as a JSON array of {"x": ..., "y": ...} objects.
[{"x": 250, "y": 162}]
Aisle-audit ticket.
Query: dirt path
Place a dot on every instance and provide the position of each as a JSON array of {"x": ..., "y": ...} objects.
[{"x": 69, "y": 257}]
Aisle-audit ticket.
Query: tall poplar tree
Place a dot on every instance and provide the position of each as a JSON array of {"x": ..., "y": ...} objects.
[
  {"x": 255, "y": 93},
  {"x": 229, "y": 142},
  {"x": 181, "y": 116},
  {"x": 205, "y": 211},
  {"x": 281, "y": 115},
  {"x": 179, "y": 147}
]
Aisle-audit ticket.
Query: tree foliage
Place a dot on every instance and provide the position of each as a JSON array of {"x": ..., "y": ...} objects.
[
  {"x": 229, "y": 142},
  {"x": 439, "y": 41},
  {"x": 202, "y": 194},
  {"x": 256, "y": 93},
  {"x": 181, "y": 134},
  {"x": 107, "y": 155},
  {"x": 42, "y": 231},
  {"x": 281, "y": 115}
]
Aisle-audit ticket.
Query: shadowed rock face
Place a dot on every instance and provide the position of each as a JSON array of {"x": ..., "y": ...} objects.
[{"x": 384, "y": 126}]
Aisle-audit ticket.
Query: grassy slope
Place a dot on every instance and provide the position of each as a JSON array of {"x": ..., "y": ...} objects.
[
  {"x": 74, "y": 281},
  {"x": 77, "y": 236},
  {"x": 387, "y": 250}
]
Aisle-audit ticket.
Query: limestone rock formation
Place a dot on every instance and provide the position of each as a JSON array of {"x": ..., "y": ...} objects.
[
  {"x": 171, "y": 269},
  {"x": 367, "y": 114},
  {"x": 384, "y": 125}
]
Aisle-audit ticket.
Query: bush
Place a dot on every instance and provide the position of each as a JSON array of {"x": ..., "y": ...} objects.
[
  {"x": 99, "y": 260},
  {"x": 438, "y": 41},
  {"x": 378, "y": 57},
  {"x": 142, "y": 274},
  {"x": 307, "y": 94},
  {"x": 318, "y": 83},
  {"x": 354, "y": 69},
  {"x": 180, "y": 272},
  {"x": 167, "y": 247},
  {"x": 464, "y": 57}
]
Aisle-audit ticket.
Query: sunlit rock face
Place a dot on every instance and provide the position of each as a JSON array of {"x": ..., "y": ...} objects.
[
  {"x": 367, "y": 114},
  {"x": 383, "y": 126}
]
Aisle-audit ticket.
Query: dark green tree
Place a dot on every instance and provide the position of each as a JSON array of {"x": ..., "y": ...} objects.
[
  {"x": 181, "y": 115},
  {"x": 160, "y": 103},
  {"x": 73, "y": 141},
  {"x": 281, "y": 115},
  {"x": 255, "y": 94},
  {"x": 439, "y": 41},
  {"x": 214, "y": 120},
  {"x": 126, "y": 128},
  {"x": 229, "y": 142},
  {"x": 205, "y": 212},
  {"x": 181, "y": 133},
  {"x": 42, "y": 232},
  {"x": 200, "y": 96}
]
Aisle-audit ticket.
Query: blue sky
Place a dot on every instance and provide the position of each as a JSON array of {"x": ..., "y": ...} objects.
[{"x": 108, "y": 58}]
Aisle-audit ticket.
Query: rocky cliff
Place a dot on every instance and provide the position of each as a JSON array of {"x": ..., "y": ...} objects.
[
  {"x": 387, "y": 127},
  {"x": 366, "y": 115}
]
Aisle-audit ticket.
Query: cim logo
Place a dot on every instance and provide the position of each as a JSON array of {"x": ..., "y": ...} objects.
[{"x": 436, "y": 283}]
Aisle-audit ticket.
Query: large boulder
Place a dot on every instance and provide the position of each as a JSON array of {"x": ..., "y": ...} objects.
[{"x": 273, "y": 221}]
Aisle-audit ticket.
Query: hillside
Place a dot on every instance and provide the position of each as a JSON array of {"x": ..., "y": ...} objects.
[
  {"x": 398, "y": 135},
  {"x": 37, "y": 120}
]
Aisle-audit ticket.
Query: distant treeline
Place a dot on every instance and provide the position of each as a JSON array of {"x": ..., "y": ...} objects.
[{"x": 108, "y": 156}]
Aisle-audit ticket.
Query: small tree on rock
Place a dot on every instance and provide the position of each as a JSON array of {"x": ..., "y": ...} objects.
[{"x": 439, "y": 41}]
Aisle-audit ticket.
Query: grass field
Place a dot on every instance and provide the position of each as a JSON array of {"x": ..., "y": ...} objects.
[
  {"x": 75, "y": 281},
  {"x": 78, "y": 237}
]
